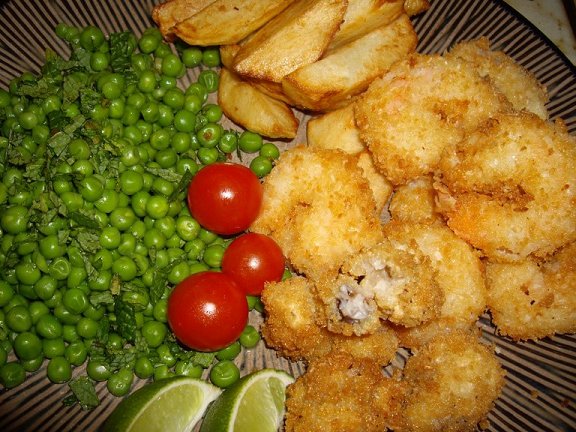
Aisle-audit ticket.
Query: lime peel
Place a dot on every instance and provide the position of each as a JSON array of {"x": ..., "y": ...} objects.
[
  {"x": 255, "y": 403},
  {"x": 176, "y": 404}
]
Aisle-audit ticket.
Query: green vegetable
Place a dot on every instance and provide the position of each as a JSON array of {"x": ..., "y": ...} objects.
[{"x": 224, "y": 373}]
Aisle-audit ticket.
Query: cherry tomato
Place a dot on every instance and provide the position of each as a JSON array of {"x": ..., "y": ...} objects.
[
  {"x": 225, "y": 197},
  {"x": 252, "y": 260},
  {"x": 207, "y": 311}
]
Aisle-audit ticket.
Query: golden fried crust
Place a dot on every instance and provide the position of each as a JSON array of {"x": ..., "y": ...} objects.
[
  {"x": 519, "y": 86},
  {"x": 338, "y": 393},
  {"x": 290, "y": 320},
  {"x": 460, "y": 275},
  {"x": 391, "y": 281},
  {"x": 424, "y": 103},
  {"x": 534, "y": 298},
  {"x": 451, "y": 384},
  {"x": 510, "y": 188},
  {"x": 319, "y": 208},
  {"x": 414, "y": 201}
]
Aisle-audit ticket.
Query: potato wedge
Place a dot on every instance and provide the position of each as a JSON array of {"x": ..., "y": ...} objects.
[
  {"x": 296, "y": 37},
  {"x": 363, "y": 16},
  {"x": 166, "y": 15},
  {"x": 247, "y": 106},
  {"x": 414, "y": 7},
  {"x": 227, "y": 54},
  {"x": 337, "y": 78},
  {"x": 228, "y": 21},
  {"x": 335, "y": 129}
]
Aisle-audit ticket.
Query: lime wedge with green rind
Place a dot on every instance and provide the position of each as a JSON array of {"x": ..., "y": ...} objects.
[
  {"x": 172, "y": 404},
  {"x": 255, "y": 403}
]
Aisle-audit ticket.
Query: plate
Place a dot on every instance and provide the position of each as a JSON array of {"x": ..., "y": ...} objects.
[{"x": 540, "y": 389}]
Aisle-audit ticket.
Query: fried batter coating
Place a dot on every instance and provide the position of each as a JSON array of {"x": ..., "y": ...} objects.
[
  {"x": 460, "y": 275},
  {"x": 290, "y": 324},
  {"x": 391, "y": 281},
  {"x": 534, "y": 298},
  {"x": 339, "y": 393},
  {"x": 451, "y": 383},
  {"x": 414, "y": 201},
  {"x": 510, "y": 188},
  {"x": 293, "y": 326},
  {"x": 424, "y": 103},
  {"x": 319, "y": 208},
  {"x": 519, "y": 85}
]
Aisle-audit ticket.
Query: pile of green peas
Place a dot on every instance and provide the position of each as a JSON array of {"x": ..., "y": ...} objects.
[{"x": 94, "y": 227}]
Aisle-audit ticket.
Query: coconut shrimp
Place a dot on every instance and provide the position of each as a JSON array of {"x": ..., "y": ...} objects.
[
  {"x": 460, "y": 275},
  {"x": 339, "y": 393},
  {"x": 510, "y": 188},
  {"x": 421, "y": 105},
  {"x": 414, "y": 201},
  {"x": 520, "y": 86},
  {"x": 294, "y": 327},
  {"x": 450, "y": 384},
  {"x": 533, "y": 298},
  {"x": 319, "y": 208},
  {"x": 390, "y": 281}
]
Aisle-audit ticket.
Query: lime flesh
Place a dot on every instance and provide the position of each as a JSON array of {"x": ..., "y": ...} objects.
[
  {"x": 174, "y": 404},
  {"x": 253, "y": 404}
]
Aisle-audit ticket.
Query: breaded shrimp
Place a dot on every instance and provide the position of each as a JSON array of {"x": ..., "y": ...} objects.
[
  {"x": 534, "y": 298},
  {"x": 319, "y": 208},
  {"x": 290, "y": 324},
  {"x": 510, "y": 188},
  {"x": 460, "y": 275},
  {"x": 293, "y": 327},
  {"x": 451, "y": 385},
  {"x": 424, "y": 103},
  {"x": 520, "y": 86},
  {"x": 339, "y": 393},
  {"x": 414, "y": 201},
  {"x": 391, "y": 281}
]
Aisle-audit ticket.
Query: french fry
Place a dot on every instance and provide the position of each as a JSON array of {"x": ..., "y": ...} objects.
[
  {"x": 337, "y": 78},
  {"x": 227, "y": 21},
  {"x": 166, "y": 15},
  {"x": 414, "y": 7},
  {"x": 297, "y": 36},
  {"x": 247, "y": 106},
  {"x": 363, "y": 16}
]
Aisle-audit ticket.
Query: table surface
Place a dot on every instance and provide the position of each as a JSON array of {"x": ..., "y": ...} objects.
[{"x": 551, "y": 18}]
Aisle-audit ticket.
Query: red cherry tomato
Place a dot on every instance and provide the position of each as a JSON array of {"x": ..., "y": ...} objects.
[
  {"x": 225, "y": 198},
  {"x": 252, "y": 260},
  {"x": 207, "y": 311}
]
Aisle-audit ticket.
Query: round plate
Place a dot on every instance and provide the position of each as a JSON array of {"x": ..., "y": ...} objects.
[{"x": 540, "y": 386}]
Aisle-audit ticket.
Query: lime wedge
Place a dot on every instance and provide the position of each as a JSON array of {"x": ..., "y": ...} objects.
[
  {"x": 255, "y": 403},
  {"x": 173, "y": 404}
]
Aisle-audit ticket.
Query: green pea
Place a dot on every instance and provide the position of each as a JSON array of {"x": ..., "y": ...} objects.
[
  {"x": 12, "y": 374},
  {"x": 18, "y": 319},
  {"x": 166, "y": 356},
  {"x": 224, "y": 373},
  {"x": 32, "y": 365},
  {"x": 53, "y": 347},
  {"x": 143, "y": 368},
  {"x": 98, "y": 370},
  {"x": 250, "y": 142},
  {"x": 59, "y": 370},
  {"x": 27, "y": 346},
  {"x": 76, "y": 353},
  {"x": 249, "y": 337},
  {"x": 120, "y": 382},
  {"x": 230, "y": 352},
  {"x": 75, "y": 300},
  {"x": 261, "y": 166},
  {"x": 189, "y": 369},
  {"x": 154, "y": 332},
  {"x": 87, "y": 328},
  {"x": 209, "y": 79},
  {"x": 213, "y": 255}
]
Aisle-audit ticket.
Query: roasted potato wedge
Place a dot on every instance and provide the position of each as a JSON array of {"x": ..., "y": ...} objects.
[
  {"x": 363, "y": 16},
  {"x": 296, "y": 37},
  {"x": 227, "y": 54},
  {"x": 337, "y": 78},
  {"x": 247, "y": 106},
  {"x": 227, "y": 21},
  {"x": 414, "y": 7},
  {"x": 335, "y": 129},
  {"x": 166, "y": 15}
]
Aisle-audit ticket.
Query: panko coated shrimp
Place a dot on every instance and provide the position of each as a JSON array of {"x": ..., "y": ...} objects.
[
  {"x": 510, "y": 187},
  {"x": 450, "y": 384},
  {"x": 533, "y": 298},
  {"x": 460, "y": 275},
  {"x": 319, "y": 208},
  {"x": 389, "y": 281},
  {"x": 520, "y": 86},
  {"x": 414, "y": 201},
  {"x": 421, "y": 105}
]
